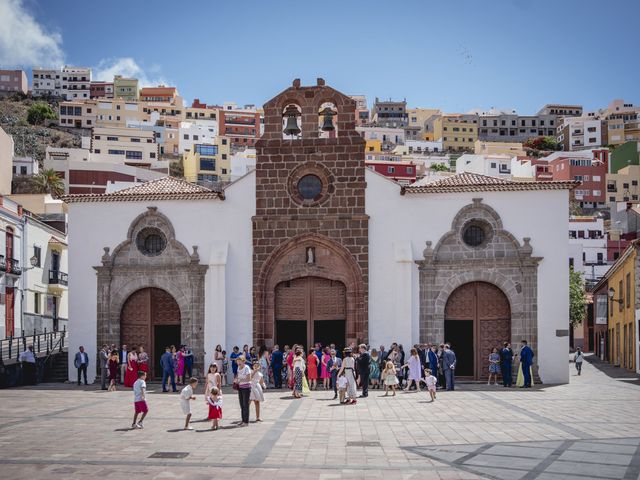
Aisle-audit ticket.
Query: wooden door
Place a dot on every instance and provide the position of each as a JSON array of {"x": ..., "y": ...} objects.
[
  {"x": 9, "y": 300},
  {"x": 488, "y": 307}
]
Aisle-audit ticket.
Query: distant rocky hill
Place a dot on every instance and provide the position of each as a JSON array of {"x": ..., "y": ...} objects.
[{"x": 31, "y": 140}]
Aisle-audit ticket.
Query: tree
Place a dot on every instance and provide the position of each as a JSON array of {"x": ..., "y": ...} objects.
[
  {"x": 48, "y": 181},
  {"x": 439, "y": 167},
  {"x": 577, "y": 298},
  {"x": 39, "y": 112},
  {"x": 541, "y": 143},
  {"x": 176, "y": 169}
]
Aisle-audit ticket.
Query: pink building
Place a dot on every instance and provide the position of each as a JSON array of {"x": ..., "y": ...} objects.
[{"x": 13, "y": 81}]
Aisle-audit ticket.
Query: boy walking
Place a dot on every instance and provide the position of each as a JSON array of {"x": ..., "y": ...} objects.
[
  {"x": 139, "y": 399},
  {"x": 186, "y": 395}
]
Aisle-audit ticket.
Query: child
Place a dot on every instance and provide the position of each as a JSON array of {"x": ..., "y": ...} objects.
[
  {"x": 494, "y": 366},
  {"x": 431, "y": 382},
  {"x": 215, "y": 407},
  {"x": 390, "y": 378},
  {"x": 257, "y": 385},
  {"x": 186, "y": 395},
  {"x": 139, "y": 399},
  {"x": 342, "y": 387}
]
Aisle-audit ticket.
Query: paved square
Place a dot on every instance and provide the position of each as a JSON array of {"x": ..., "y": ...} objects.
[{"x": 587, "y": 429}]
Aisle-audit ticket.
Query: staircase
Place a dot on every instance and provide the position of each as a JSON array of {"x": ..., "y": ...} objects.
[{"x": 57, "y": 368}]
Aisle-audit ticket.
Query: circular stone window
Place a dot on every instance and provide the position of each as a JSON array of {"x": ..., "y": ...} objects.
[
  {"x": 310, "y": 187},
  {"x": 476, "y": 234},
  {"x": 151, "y": 242}
]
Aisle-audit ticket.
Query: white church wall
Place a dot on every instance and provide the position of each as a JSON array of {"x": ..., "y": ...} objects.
[{"x": 542, "y": 215}]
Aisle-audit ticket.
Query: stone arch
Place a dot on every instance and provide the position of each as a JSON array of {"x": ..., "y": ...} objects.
[{"x": 287, "y": 262}]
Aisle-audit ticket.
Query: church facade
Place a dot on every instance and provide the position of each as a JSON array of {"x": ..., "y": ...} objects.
[{"x": 314, "y": 247}]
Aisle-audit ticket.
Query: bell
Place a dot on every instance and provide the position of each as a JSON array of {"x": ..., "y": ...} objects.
[
  {"x": 291, "y": 127},
  {"x": 327, "y": 124}
]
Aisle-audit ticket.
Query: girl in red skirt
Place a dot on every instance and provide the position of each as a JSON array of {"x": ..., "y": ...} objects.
[{"x": 215, "y": 407}]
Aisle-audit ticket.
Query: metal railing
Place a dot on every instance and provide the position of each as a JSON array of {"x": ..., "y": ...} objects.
[
  {"x": 56, "y": 277},
  {"x": 13, "y": 266},
  {"x": 43, "y": 343}
]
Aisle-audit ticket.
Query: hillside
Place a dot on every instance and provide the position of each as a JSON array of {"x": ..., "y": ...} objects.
[{"x": 31, "y": 140}]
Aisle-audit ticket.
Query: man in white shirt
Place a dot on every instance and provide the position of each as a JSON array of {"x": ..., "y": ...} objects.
[{"x": 28, "y": 361}]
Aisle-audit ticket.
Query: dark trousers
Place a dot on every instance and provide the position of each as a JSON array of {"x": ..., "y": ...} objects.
[
  {"x": 449, "y": 377},
  {"x": 334, "y": 381},
  {"x": 277, "y": 376},
  {"x": 364, "y": 382},
  {"x": 243, "y": 397},
  {"x": 82, "y": 370},
  {"x": 526, "y": 373},
  {"x": 188, "y": 372},
  {"x": 442, "y": 381},
  {"x": 103, "y": 377},
  {"x": 166, "y": 375},
  {"x": 579, "y": 367},
  {"x": 28, "y": 373},
  {"x": 505, "y": 368}
]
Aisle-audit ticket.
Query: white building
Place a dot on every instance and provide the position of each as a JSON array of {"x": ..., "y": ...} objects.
[
  {"x": 388, "y": 136},
  {"x": 422, "y": 146},
  {"x": 588, "y": 247},
  {"x": 46, "y": 82},
  {"x": 25, "y": 166},
  {"x": 6, "y": 162},
  {"x": 192, "y": 133},
  {"x": 579, "y": 133},
  {"x": 491, "y": 165},
  {"x": 11, "y": 265},
  {"x": 242, "y": 162},
  {"x": 76, "y": 83}
]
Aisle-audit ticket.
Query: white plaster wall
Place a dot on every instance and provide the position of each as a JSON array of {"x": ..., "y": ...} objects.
[
  {"x": 417, "y": 218},
  {"x": 205, "y": 223}
]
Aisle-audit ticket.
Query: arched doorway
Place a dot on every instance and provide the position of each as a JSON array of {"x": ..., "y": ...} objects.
[
  {"x": 477, "y": 317},
  {"x": 150, "y": 317},
  {"x": 310, "y": 310}
]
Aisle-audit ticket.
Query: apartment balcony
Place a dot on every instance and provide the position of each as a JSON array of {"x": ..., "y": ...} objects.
[
  {"x": 241, "y": 134},
  {"x": 249, "y": 123},
  {"x": 57, "y": 277},
  {"x": 10, "y": 265}
]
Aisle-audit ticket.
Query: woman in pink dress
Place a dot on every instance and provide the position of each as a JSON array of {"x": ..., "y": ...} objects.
[
  {"x": 325, "y": 374},
  {"x": 131, "y": 375},
  {"x": 180, "y": 367}
]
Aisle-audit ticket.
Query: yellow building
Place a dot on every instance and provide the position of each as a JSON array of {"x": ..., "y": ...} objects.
[
  {"x": 513, "y": 149},
  {"x": 117, "y": 112},
  {"x": 125, "y": 88},
  {"x": 207, "y": 164},
  {"x": 458, "y": 132},
  {"x": 622, "y": 325},
  {"x": 373, "y": 146},
  {"x": 623, "y": 186}
]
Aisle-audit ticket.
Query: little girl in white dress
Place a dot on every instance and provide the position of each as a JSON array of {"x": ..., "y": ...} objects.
[
  {"x": 257, "y": 386},
  {"x": 390, "y": 378}
]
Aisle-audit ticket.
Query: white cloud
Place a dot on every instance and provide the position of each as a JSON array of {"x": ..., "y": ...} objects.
[
  {"x": 127, "y": 67},
  {"x": 23, "y": 41}
]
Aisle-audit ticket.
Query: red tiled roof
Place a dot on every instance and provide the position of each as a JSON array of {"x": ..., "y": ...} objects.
[
  {"x": 473, "y": 182},
  {"x": 166, "y": 188}
]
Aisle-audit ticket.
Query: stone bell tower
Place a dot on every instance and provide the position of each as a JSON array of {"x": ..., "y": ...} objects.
[{"x": 310, "y": 231}]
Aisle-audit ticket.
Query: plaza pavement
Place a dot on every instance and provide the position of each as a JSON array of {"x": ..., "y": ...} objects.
[{"x": 589, "y": 428}]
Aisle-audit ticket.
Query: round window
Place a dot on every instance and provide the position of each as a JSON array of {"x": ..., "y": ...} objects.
[
  {"x": 151, "y": 242},
  {"x": 474, "y": 235},
  {"x": 310, "y": 187}
]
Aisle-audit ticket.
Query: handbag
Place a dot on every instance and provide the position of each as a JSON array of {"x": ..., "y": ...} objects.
[{"x": 236, "y": 386}]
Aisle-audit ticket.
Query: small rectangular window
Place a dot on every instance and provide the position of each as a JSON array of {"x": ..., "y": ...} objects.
[
  {"x": 36, "y": 302},
  {"x": 628, "y": 293}
]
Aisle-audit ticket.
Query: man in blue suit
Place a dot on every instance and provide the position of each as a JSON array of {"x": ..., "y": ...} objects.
[
  {"x": 166, "y": 362},
  {"x": 433, "y": 360},
  {"x": 506, "y": 359},
  {"x": 526, "y": 360},
  {"x": 276, "y": 365}
]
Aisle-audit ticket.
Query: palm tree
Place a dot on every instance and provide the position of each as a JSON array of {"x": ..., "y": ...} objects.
[{"x": 48, "y": 181}]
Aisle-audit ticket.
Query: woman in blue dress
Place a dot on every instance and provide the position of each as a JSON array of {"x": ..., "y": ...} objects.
[{"x": 494, "y": 366}]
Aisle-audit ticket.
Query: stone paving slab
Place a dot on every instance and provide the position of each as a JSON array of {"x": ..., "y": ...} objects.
[{"x": 586, "y": 429}]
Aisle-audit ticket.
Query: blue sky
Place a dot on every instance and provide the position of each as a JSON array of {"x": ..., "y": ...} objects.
[{"x": 452, "y": 55}]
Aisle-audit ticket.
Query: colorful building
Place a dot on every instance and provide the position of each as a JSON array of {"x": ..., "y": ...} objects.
[
  {"x": 13, "y": 81},
  {"x": 125, "y": 88},
  {"x": 623, "y": 185},
  {"x": 207, "y": 164},
  {"x": 458, "y": 132}
]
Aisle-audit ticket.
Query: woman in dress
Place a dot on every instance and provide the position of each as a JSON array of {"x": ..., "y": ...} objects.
[
  {"x": 114, "y": 365},
  {"x": 131, "y": 375},
  {"x": 243, "y": 384},
  {"x": 218, "y": 360},
  {"x": 312, "y": 369},
  {"x": 143, "y": 360},
  {"x": 180, "y": 365},
  {"x": 257, "y": 384},
  {"x": 247, "y": 355},
  {"x": 298, "y": 368},
  {"x": 374, "y": 370},
  {"x": 325, "y": 374},
  {"x": 494, "y": 366},
  {"x": 415, "y": 375},
  {"x": 349, "y": 370},
  {"x": 213, "y": 379}
]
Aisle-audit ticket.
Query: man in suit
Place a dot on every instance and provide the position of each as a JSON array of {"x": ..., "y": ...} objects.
[
  {"x": 526, "y": 360},
  {"x": 363, "y": 363},
  {"x": 449, "y": 365},
  {"x": 333, "y": 365},
  {"x": 506, "y": 359},
  {"x": 123, "y": 362},
  {"x": 166, "y": 362},
  {"x": 81, "y": 362},
  {"x": 433, "y": 360},
  {"x": 103, "y": 357},
  {"x": 276, "y": 364},
  {"x": 188, "y": 362}
]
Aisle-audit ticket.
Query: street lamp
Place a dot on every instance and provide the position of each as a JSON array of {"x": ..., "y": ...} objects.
[{"x": 612, "y": 294}]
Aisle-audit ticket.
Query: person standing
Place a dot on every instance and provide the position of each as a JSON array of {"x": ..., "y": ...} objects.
[
  {"x": 186, "y": 396},
  {"x": 27, "y": 361},
  {"x": 234, "y": 361},
  {"x": 442, "y": 381},
  {"x": 415, "y": 366},
  {"x": 179, "y": 363},
  {"x": 166, "y": 362},
  {"x": 219, "y": 361},
  {"x": 449, "y": 365},
  {"x": 374, "y": 370},
  {"x": 333, "y": 365},
  {"x": 213, "y": 379},
  {"x": 243, "y": 382},
  {"x": 494, "y": 366},
  {"x": 188, "y": 362},
  {"x": 131, "y": 376},
  {"x": 124, "y": 355},
  {"x": 257, "y": 389},
  {"x": 312, "y": 369},
  {"x": 81, "y": 362},
  {"x": 526, "y": 360},
  {"x": 433, "y": 360},
  {"x": 264, "y": 365},
  {"x": 298, "y": 368},
  {"x": 364, "y": 363},
  {"x": 113, "y": 364},
  {"x": 276, "y": 365},
  {"x": 140, "y": 400},
  {"x": 506, "y": 360},
  {"x": 103, "y": 357},
  {"x": 349, "y": 370},
  {"x": 578, "y": 358},
  {"x": 143, "y": 360}
]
